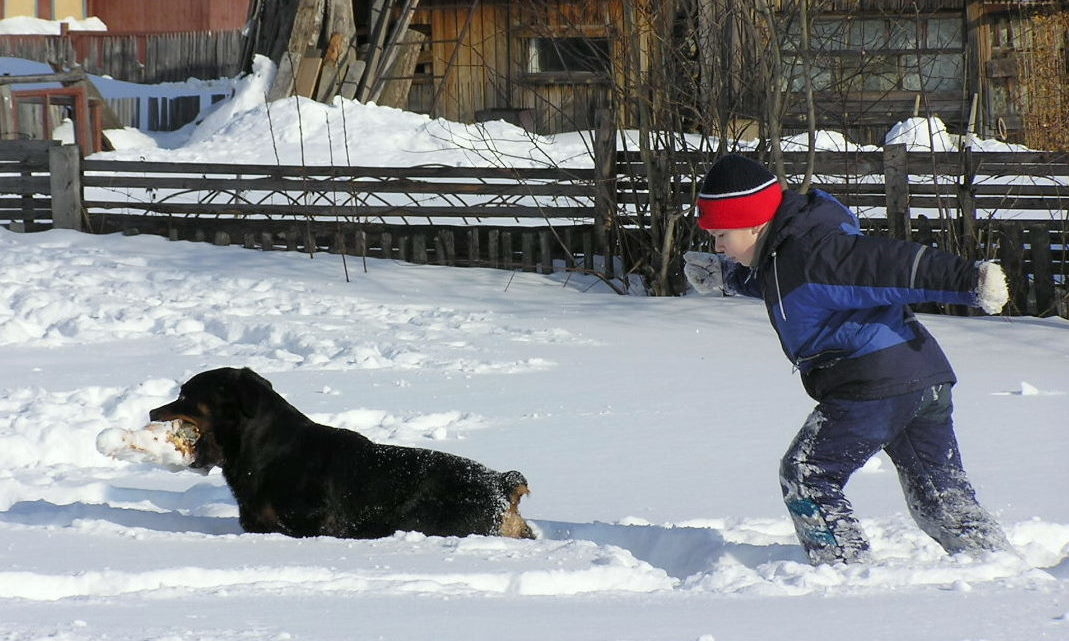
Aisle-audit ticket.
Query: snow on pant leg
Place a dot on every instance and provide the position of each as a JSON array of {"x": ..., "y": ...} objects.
[
  {"x": 939, "y": 495},
  {"x": 837, "y": 439}
]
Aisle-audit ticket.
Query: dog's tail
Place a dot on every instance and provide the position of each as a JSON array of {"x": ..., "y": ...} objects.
[{"x": 514, "y": 487}]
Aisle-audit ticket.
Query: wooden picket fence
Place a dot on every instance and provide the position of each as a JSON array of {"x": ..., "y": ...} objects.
[
  {"x": 536, "y": 219},
  {"x": 145, "y": 58}
]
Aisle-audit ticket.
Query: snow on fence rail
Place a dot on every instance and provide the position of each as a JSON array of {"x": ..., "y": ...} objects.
[{"x": 1011, "y": 206}]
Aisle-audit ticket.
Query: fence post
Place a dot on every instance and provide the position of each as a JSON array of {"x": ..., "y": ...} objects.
[
  {"x": 1042, "y": 269},
  {"x": 1011, "y": 252},
  {"x": 7, "y": 113},
  {"x": 493, "y": 247},
  {"x": 896, "y": 187},
  {"x": 969, "y": 241},
  {"x": 545, "y": 250},
  {"x": 604, "y": 177},
  {"x": 474, "y": 258},
  {"x": 65, "y": 167}
]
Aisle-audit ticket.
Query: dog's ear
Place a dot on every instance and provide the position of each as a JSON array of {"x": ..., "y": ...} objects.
[{"x": 251, "y": 388}]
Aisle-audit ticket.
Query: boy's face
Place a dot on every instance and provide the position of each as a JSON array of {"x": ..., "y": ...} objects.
[{"x": 738, "y": 244}]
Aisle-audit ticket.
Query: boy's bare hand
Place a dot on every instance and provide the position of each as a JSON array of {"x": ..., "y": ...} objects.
[{"x": 703, "y": 272}]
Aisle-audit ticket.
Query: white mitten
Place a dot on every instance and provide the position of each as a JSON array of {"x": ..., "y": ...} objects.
[
  {"x": 991, "y": 291},
  {"x": 703, "y": 272}
]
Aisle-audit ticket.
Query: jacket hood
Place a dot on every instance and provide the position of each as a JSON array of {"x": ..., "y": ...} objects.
[{"x": 797, "y": 217}]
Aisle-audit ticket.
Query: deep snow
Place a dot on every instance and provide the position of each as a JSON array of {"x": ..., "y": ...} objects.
[{"x": 650, "y": 430}]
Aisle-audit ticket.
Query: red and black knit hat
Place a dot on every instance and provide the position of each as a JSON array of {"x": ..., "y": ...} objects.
[{"x": 738, "y": 193}]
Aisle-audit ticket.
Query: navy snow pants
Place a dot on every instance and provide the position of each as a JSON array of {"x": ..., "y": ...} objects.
[{"x": 917, "y": 432}]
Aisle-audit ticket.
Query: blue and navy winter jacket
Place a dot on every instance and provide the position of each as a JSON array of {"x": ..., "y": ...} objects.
[{"x": 839, "y": 300}]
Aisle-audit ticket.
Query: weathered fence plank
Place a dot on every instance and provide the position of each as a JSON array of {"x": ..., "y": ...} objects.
[
  {"x": 1042, "y": 273},
  {"x": 66, "y": 186}
]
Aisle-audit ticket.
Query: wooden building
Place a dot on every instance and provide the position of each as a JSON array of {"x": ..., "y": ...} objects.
[
  {"x": 151, "y": 16},
  {"x": 155, "y": 16},
  {"x": 44, "y": 9},
  {"x": 545, "y": 65},
  {"x": 549, "y": 64}
]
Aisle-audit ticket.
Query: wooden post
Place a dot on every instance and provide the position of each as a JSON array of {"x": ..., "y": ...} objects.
[
  {"x": 311, "y": 244},
  {"x": 65, "y": 167},
  {"x": 493, "y": 247},
  {"x": 337, "y": 243},
  {"x": 419, "y": 248},
  {"x": 446, "y": 247},
  {"x": 1011, "y": 251},
  {"x": 569, "y": 248},
  {"x": 545, "y": 241},
  {"x": 359, "y": 243},
  {"x": 1042, "y": 269},
  {"x": 304, "y": 33},
  {"x": 473, "y": 247},
  {"x": 29, "y": 206},
  {"x": 506, "y": 250},
  {"x": 969, "y": 240},
  {"x": 386, "y": 241},
  {"x": 7, "y": 114},
  {"x": 588, "y": 250},
  {"x": 605, "y": 176},
  {"x": 896, "y": 187},
  {"x": 527, "y": 248},
  {"x": 394, "y": 92}
]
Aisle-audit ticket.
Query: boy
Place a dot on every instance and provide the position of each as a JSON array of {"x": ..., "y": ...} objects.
[{"x": 839, "y": 302}]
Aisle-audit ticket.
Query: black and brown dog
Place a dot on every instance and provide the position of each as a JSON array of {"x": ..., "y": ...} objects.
[{"x": 294, "y": 476}]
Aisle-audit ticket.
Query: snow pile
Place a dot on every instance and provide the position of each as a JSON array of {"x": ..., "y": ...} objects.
[{"x": 920, "y": 134}]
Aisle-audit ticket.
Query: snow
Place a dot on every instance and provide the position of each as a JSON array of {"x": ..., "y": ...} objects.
[
  {"x": 650, "y": 431},
  {"x": 25, "y": 25}
]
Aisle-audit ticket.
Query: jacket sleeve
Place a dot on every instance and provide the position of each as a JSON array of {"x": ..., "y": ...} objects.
[{"x": 857, "y": 272}]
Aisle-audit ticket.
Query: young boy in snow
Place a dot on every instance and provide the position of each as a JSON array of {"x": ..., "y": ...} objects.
[{"x": 839, "y": 302}]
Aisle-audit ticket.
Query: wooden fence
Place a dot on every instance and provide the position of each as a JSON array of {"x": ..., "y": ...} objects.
[
  {"x": 25, "y": 184},
  {"x": 454, "y": 216},
  {"x": 146, "y": 58}
]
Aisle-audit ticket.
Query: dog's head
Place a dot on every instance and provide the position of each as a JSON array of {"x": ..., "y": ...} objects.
[{"x": 216, "y": 404}]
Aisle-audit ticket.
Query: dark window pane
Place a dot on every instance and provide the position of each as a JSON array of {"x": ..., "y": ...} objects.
[{"x": 570, "y": 54}]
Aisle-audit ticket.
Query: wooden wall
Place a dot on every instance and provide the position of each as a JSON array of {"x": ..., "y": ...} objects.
[
  {"x": 489, "y": 49},
  {"x": 477, "y": 44},
  {"x": 170, "y": 15}
]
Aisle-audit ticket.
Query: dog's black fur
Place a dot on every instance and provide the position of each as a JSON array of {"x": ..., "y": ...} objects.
[{"x": 294, "y": 476}]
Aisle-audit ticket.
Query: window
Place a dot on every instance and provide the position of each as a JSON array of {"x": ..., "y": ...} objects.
[
  {"x": 569, "y": 55},
  {"x": 862, "y": 54}
]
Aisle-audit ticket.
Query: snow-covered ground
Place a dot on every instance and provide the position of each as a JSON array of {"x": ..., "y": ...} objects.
[{"x": 650, "y": 431}]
